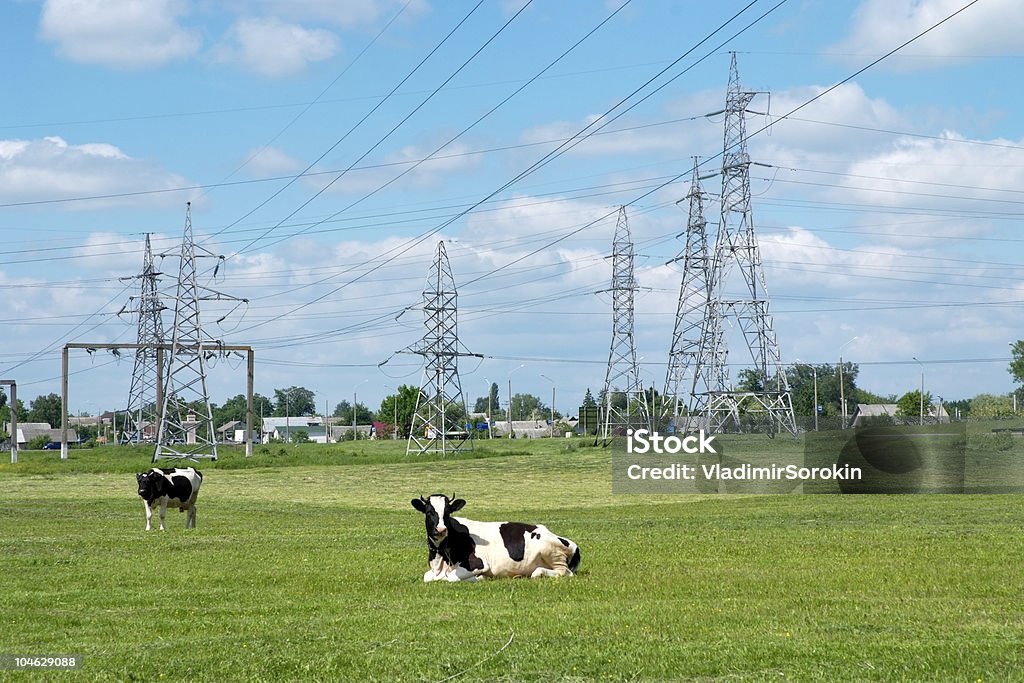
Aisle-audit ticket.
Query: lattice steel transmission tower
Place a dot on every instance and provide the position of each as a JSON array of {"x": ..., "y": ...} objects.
[
  {"x": 142, "y": 416},
  {"x": 623, "y": 395},
  {"x": 439, "y": 423},
  {"x": 738, "y": 292},
  {"x": 186, "y": 420},
  {"x": 693, "y": 297}
]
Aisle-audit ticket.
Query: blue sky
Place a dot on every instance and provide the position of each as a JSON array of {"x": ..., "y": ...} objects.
[{"x": 887, "y": 211}]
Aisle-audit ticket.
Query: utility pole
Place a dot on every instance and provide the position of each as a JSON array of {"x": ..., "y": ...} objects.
[
  {"x": 185, "y": 433},
  {"x": 680, "y": 376},
  {"x": 440, "y": 405},
  {"x": 144, "y": 400},
  {"x": 14, "y": 418},
  {"x": 622, "y": 376},
  {"x": 736, "y": 268},
  {"x": 552, "y": 432}
]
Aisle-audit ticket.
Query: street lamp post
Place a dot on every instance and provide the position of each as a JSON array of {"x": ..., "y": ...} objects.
[
  {"x": 509, "y": 416},
  {"x": 814, "y": 370},
  {"x": 842, "y": 384},
  {"x": 489, "y": 408},
  {"x": 287, "y": 419},
  {"x": 921, "y": 419},
  {"x": 552, "y": 432},
  {"x": 355, "y": 434},
  {"x": 394, "y": 402}
]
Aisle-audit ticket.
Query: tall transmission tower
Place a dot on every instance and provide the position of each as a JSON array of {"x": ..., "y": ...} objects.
[
  {"x": 439, "y": 423},
  {"x": 737, "y": 290},
  {"x": 143, "y": 412},
  {"x": 624, "y": 401},
  {"x": 693, "y": 297},
  {"x": 186, "y": 420}
]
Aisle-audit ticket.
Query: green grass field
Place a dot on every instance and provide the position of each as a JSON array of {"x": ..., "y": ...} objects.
[{"x": 307, "y": 564}]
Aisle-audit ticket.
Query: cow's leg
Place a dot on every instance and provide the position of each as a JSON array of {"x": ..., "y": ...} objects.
[
  {"x": 460, "y": 573},
  {"x": 190, "y": 517},
  {"x": 149, "y": 514},
  {"x": 544, "y": 571},
  {"x": 163, "y": 513}
]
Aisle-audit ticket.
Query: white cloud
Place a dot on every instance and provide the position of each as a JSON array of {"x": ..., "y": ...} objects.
[
  {"x": 345, "y": 13},
  {"x": 848, "y": 108},
  {"x": 429, "y": 174},
  {"x": 947, "y": 174},
  {"x": 274, "y": 48},
  {"x": 52, "y": 169},
  {"x": 271, "y": 161},
  {"x": 988, "y": 28},
  {"x": 618, "y": 138},
  {"x": 125, "y": 34}
]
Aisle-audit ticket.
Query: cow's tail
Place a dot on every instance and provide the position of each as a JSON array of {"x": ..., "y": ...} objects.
[
  {"x": 574, "y": 561},
  {"x": 573, "y": 551}
]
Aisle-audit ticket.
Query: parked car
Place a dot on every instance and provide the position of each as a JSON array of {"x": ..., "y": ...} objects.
[{"x": 52, "y": 446}]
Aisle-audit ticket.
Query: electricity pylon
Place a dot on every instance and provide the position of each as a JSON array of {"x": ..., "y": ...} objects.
[
  {"x": 693, "y": 297},
  {"x": 439, "y": 424},
  {"x": 142, "y": 413},
  {"x": 737, "y": 291},
  {"x": 623, "y": 395},
  {"x": 186, "y": 420}
]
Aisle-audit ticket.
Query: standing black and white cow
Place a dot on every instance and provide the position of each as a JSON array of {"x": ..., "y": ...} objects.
[
  {"x": 463, "y": 549},
  {"x": 175, "y": 485}
]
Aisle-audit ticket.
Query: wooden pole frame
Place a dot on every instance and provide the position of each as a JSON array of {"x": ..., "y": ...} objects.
[{"x": 14, "y": 418}]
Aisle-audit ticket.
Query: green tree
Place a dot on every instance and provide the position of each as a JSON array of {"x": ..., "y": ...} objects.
[
  {"x": 990, "y": 405},
  {"x": 233, "y": 410},
  {"x": 297, "y": 401},
  {"x": 1017, "y": 366},
  {"x": 751, "y": 380},
  {"x": 588, "y": 400},
  {"x": 651, "y": 400},
  {"x": 961, "y": 407},
  {"x": 801, "y": 378},
  {"x": 865, "y": 396},
  {"x": 528, "y": 407},
  {"x": 402, "y": 404},
  {"x": 909, "y": 404},
  {"x": 343, "y": 411},
  {"x": 481, "y": 405},
  {"x": 45, "y": 409}
]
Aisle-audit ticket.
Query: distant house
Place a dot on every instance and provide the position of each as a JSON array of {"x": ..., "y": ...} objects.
[
  {"x": 867, "y": 413},
  {"x": 27, "y": 431},
  {"x": 293, "y": 422},
  {"x": 226, "y": 432},
  {"x": 315, "y": 433},
  {"x": 523, "y": 429}
]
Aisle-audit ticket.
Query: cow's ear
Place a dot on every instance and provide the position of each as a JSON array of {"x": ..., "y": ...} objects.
[
  {"x": 419, "y": 505},
  {"x": 456, "y": 505}
]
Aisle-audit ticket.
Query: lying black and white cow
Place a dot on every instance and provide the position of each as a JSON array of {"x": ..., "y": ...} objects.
[
  {"x": 463, "y": 549},
  {"x": 175, "y": 485}
]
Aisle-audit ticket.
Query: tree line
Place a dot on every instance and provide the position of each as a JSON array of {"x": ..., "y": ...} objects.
[{"x": 831, "y": 386}]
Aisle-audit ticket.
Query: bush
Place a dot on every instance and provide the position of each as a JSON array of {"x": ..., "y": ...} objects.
[
  {"x": 38, "y": 443},
  {"x": 997, "y": 442}
]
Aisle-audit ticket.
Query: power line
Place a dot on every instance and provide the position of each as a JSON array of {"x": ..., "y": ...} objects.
[{"x": 370, "y": 113}]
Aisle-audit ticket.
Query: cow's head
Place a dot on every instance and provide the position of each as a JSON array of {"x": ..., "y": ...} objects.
[
  {"x": 437, "y": 509},
  {"x": 149, "y": 484}
]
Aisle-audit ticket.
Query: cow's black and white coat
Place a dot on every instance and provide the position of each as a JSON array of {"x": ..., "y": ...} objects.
[
  {"x": 463, "y": 549},
  {"x": 175, "y": 485}
]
